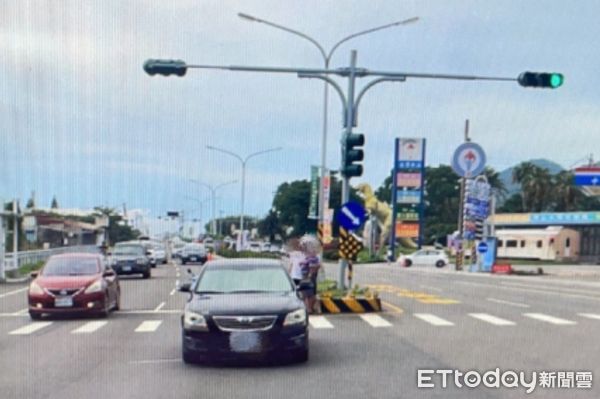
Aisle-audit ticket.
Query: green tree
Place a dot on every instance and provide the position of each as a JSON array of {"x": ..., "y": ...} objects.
[
  {"x": 54, "y": 204},
  {"x": 117, "y": 230},
  {"x": 514, "y": 204},
  {"x": 31, "y": 201},
  {"x": 270, "y": 226}
]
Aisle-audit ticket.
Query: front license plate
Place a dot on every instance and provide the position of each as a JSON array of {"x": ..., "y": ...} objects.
[
  {"x": 194, "y": 258},
  {"x": 126, "y": 268},
  {"x": 63, "y": 302},
  {"x": 245, "y": 342}
]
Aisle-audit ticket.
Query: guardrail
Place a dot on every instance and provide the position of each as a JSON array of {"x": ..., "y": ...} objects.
[{"x": 26, "y": 257}]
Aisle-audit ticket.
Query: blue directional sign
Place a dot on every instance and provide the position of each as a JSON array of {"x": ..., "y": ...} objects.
[
  {"x": 482, "y": 247},
  {"x": 468, "y": 160},
  {"x": 351, "y": 215},
  {"x": 587, "y": 180}
]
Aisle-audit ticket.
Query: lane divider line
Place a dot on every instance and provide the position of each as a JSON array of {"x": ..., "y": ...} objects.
[
  {"x": 488, "y": 318},
  {"x": 590, "y": 315},
  {"x": 90, "y": 327},
  {"x": 31, "y": 328},
  {"x": 549, "y": 319},
  {"x": 375, "y": 320},
  {"x": 160, "y": 306},
  {"x": 520, "y": 305},
  {"x": 148, "y": 326},
  {"x": 319, "y": 322},
  {"x": 13, "y": 292},
  {"x": 433, "y": 319}
]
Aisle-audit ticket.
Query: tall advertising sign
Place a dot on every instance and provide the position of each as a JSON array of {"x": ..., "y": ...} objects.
[
  {"x": 314, "y": 192},
  {"x": 408, "y": 177}
]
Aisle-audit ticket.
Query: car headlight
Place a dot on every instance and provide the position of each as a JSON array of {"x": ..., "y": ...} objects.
[
  {"x": 96, "y": 286},
  {"x": 194, "y": 321},
  {"x": 295, "y": 317},
  {"x": 140, "y": 261},
  {"x": 35, "y": 289}
]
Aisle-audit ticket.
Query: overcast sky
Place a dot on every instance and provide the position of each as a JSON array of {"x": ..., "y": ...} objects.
[{"x": 80, "y": 119}]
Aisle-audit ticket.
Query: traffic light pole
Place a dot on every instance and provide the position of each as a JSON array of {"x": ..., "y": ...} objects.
[{"x": 179, "y": 68}]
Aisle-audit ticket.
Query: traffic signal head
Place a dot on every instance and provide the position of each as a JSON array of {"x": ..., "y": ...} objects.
[
  {"x": 351, "y": 154},
  {"x": 541, "y": 79},
  {"x": 165, "y": 67}
]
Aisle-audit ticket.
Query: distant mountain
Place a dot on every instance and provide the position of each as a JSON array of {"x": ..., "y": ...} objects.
[{"x": 513, "y": 188}]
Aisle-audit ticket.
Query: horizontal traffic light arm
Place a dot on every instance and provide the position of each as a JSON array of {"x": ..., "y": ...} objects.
[{"x": 359, "y": 72}]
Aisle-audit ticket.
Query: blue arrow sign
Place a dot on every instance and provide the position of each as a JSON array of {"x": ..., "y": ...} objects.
[
  {"x": 587, "y": 180},
  {"x": 351, "y": 215}
]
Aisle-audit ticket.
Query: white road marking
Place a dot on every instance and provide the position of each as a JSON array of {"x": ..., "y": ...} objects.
[
  {"x": 90, "y": 327},
  {"x": 9, "y": 293},
  {"x": 535, "y": 291},
  {"x": 159, "y": 307},
  {"x": 168, "y": 311},
  {"x": 375, "y": 320},
  {"x": 520, "y": 305},
  {"x": 156, "y": 361},
  {"x": 31, "y": 328},
  {"x": 319, "y": 322},
  {"x": 173, "y": 291},
  {"x": 590, "y": 315},
  {"x": 176, "y": 283},
  {"x": 492, "y": 319},
  {"x": 431, "y": 288},
  {"x": 433, "y": 319},
  {"x": 549, "y": 319},
  {"x": 148, "y": 326},
  {"x": 21, "y": 312},
  {"x": 553, "y": 289}
]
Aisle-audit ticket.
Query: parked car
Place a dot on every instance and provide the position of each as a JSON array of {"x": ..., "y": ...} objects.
[
  {"x": 131, "y": 258},
  {"x": 244, "y": 309},
  {"x": 254, "y": 246},
  {"x": 193, "y": 253},
  {"x": 74, "y": 283},
  {"x": 428, "y": 257}
]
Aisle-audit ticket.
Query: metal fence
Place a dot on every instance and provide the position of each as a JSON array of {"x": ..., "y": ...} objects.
[{"x": 26, "y": 257}]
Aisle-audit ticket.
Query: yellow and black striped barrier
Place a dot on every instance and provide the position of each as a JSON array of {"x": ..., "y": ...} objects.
[{"x": 350, "y": 305}]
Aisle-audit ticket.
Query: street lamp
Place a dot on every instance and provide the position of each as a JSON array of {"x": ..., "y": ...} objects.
[
  {"x": 326, "y": 59},
  {"x": 213, "y": 190},
  {"x": 243, "y": 162}
]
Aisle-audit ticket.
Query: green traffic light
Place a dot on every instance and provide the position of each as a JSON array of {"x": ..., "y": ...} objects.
[{"x": 556, "y": 80}]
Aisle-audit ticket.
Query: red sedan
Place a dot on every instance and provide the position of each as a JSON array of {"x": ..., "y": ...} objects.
[{"x": 74, "y": 283}]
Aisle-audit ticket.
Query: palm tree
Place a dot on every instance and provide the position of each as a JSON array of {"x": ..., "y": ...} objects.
[{"x": 524, "y": 175}]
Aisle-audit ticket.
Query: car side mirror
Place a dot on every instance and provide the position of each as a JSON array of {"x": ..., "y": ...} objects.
[
  {"x": 34, "y": 274},
  {"x": 108, "y": 273},
  {"x": 185, "y": 287}
]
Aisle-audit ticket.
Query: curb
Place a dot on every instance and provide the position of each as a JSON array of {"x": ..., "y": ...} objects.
[
  {"x": 350, "y": 305},
  {"x": 19, "y": 280}
]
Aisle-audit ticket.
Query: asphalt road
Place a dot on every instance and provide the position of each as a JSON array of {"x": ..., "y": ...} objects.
[{"x": 434, "y": 319}]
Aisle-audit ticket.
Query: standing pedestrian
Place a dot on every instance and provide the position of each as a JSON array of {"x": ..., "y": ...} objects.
[{"x": 310, "y": 267}]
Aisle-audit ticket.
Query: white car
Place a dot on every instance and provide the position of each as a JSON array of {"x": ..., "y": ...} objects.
[{"x": 426, "y": 257}]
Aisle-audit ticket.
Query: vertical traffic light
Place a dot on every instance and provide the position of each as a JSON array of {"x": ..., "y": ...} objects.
[
  {"x": 351, "y": 154},
  {"x": 541, "y": 79}
]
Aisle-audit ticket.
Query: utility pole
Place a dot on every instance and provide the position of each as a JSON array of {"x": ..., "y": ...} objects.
[
  {"x": 15, "y": 234},
  {"x": 461, "y": 211}
]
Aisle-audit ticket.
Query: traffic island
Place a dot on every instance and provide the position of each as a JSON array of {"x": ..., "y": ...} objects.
[{"x": 358, "y": 300}]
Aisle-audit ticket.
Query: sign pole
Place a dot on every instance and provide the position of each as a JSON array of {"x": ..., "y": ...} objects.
[{"x": 392, "y": 255}]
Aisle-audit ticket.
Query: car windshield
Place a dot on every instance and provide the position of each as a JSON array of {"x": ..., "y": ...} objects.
[
  {"x": 131, "y": 250},
  {"x": 71, "y": 267},
  {"x": 243, "y": 279}
]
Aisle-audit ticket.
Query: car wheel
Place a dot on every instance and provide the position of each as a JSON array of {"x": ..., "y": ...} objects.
[
  {"x": 440, "y": 263},
  {"x": 35, "y": 316},
  {"x": 188, "y": 357},
  {"x": 146, "y": 274},
  {"x": 407, "y": 263},
  {"x": 300, "y": 356}
]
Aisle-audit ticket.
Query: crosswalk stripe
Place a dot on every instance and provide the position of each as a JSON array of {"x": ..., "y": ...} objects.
[
  {"x": 319, "y": 322},
  {"x": 433, "y": 319},
  {"x": 89, "y": 327},
  {"x": 590, "y": 315},
  {"x": 375, "y": 320},
  {"x": 31, "y": 328},
  {"x": 148, "y": 326},
  {"x": 492, "y": 319},
  {"x": 549, "y": 319}
]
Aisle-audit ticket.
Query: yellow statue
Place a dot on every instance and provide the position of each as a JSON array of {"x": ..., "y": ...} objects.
[{"x": 383, "y": 214}]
